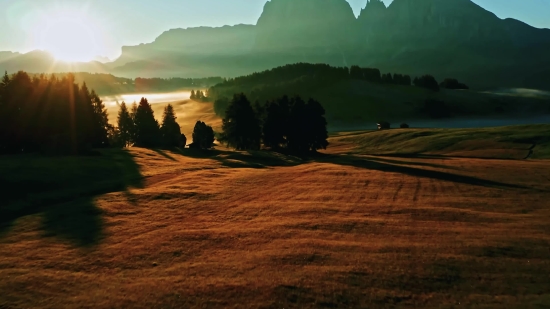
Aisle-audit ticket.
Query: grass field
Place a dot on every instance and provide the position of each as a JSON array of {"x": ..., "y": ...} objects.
[
  {"x": 514, "y": 142},
  {"x": 142, "y": 228}
]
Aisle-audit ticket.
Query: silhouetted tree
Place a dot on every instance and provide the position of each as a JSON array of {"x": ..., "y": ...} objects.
[
  {"x": 372, "y": 75},
  {"x": 275, "y": 127},
  {"x": 404, "y": 126},
  {"x": 193, "y": 95},
  {"x": 384, "y": 125},
  {"x": 387, "y": 78},
  {"x": 241, "y": 126},
  {"x": 355, "y": 72},
  {"x": 44, "y": 113},
  {"x": 400, "y": 79},
  {"x": 133, "y": 113},
  {"x": 220, "y": 106},
  {"x": 125, "y": 125},
  {"x": 101, "y": 118},
  {"x": 451, "y": 83},
  {"x": 147, "y": 128},
  {"x": 170, "y": 129},
  {"x": 307, "y": 126},
  {"x": 4, "y": 114},
  {"x": 203, "y": 136},
  {"x": 426, "y": 81}
]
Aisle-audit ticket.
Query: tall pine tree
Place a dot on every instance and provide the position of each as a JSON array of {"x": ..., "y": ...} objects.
[
  {"x": 125, "y": 125},
  {"x": 241, "y": 126},
  {"x": 147, "y": 127},
  {"x": 170, "y": 129}
]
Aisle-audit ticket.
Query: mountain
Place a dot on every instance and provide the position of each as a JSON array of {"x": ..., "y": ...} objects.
[
  {"x": 445, "y": 38},
  {"x": 42, "y": 62}
]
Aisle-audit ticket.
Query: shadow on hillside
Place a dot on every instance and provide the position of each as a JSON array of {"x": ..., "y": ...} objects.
[
  {"x": 390, "y": 166},
  {"x": 414, "y": 163},
  {"x": 264, "y": 158},
  {"x": 244, "y": 159},
  {"x": 62, "y": 191}
]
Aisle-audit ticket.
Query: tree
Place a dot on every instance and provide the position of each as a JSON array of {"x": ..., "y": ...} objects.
[
  {"x": 193, "y": 95},
  {"x": 241, "y": 126},
  {"x": 125, "y": 125},
  {"x": 307, "y": 128},
  {"x": 170, "y": 129},
  {"x": 101, "y": 121},
  {"x": 203, "y": 136},
  {"x": 275, "y": 126},
  {"x": 133, "y": 113},
  {"x": 384, "y": 125},
  {"x": 4, "y": 132},
  {"x": 427, "y": 81},
  {"x": 404, "y": 126},
  {"x": 318, "y": 133},
  {"x": 46, "y": 113},
  {"x": 387, "y": 78},
  {"x": 147, "y": 128},
  {"x": 452, "y": 83}
]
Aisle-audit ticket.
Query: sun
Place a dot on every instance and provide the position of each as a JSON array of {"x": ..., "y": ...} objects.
[{"x": 70, "y": 36}]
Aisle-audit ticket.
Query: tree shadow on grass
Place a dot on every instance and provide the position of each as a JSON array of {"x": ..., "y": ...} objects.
[
  {"x": 62, "y": 191},
  {"x": 414, "y": 163},
  {"x": 164, "y": 154},
  {"x": 391, "y": 166},
  {"x": 244, "y": 159}
]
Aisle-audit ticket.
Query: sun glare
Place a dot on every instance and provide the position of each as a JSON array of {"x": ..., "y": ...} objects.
[{"x": 70, "y": 36}]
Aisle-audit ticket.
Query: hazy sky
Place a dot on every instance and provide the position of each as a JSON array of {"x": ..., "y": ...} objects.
[{"x": 113, "y": 23}]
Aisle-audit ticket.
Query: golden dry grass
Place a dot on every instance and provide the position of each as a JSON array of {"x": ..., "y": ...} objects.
[{"x": 234, "y": 230}]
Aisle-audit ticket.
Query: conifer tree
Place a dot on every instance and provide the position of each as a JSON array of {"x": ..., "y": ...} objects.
[
  {"x": 170, "y": 129},
  {"x": 125, "y": 125},
  {"x": 241, "y": 126},
  {"x": 101, "y": 121},
  {"x": 147, "y": 127},
  {"x": 193, "y": 95},
  {"x": 203, "y": 136}
]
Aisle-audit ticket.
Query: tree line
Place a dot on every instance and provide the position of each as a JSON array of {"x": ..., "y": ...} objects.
[
  {"x": 199, "y": 95},
  {"x": 50, "y": 114},
  {"x": 53, "y": 114},
  {"x": 304, "y": 77},
  {"x": 284, "y": 123},
  {"x": 139, "y": 127},
  {"x": 107, "y": 84}
]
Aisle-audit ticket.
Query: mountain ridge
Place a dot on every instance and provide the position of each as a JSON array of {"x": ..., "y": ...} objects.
[{"x": 447, "y": 38}]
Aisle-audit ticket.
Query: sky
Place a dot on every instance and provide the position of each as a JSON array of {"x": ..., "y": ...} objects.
[{"x": 27, "y": 25}]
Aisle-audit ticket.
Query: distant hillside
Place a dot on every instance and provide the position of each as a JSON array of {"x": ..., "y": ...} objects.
[
  {"x": 513, "y": 142},
  {"x": 349, "y": 100},
  {"x": 42, "y": 62},
  {"x": 107, "y": 84}
]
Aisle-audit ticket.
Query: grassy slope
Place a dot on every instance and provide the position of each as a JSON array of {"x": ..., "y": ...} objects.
[
  {"x": 228, "y": 230},
  {"x": 514, "y": 142}
]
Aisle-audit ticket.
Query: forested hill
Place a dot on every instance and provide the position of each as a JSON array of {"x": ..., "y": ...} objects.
[
  {"x": 107, "y": 84},
  {"x": 358, "y": 95}
]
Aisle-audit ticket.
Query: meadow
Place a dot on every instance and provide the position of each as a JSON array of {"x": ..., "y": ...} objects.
[{"x": 358, "y": 226}]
